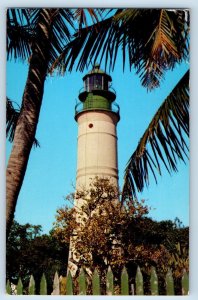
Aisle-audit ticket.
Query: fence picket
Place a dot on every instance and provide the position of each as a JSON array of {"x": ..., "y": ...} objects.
[
  {"x": 56, "y": 285},
  {"x": 43, "y": 285},
  {"x": 82, "y": 282},
  {"x": 124, "y": 282},
  {"x": 169, "y": 283},
  {"x": 154, "y": 282},
  {"x": 96, "y": 283},
  {"x": 69, "y": 285},
  {"x": 19, "y": 287},
  {"x": 139, "y": 282},
  {"x": 31, "y": 287},
  {"x": 109, "y": 282},
  {"x": 185, "y": 283},
  {"x": 8, "y": 288}
]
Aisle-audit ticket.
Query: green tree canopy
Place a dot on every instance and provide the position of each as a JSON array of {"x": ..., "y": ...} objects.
[{"x": 28, "y": 252}]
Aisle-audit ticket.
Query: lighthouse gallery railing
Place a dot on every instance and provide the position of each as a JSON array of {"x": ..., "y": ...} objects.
[{"x": 79, "y": 107}]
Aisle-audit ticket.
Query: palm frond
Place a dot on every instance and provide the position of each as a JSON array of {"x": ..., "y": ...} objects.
[
  {"x": 163, "y": 41},
  {"x": 163, "y": 141},
  {"x": 19, "y": 33},
  {"x": 36, "y": 143},
  {"x": 62, "y": 24},
  {"x": 22, "y": 31},
  {"x": 83, "y": 14},
  {"x": 12, "y": 115},
  {"x": 153, "y": 39},
  {"x": 59, "y": 22},
  {"x": 89, "y": 45},
  {"x": 157, "y": 39},
  {"x": 168, "y": 45}
]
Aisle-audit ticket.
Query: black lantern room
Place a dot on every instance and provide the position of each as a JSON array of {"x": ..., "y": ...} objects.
[{"x": 97, "y": 93}]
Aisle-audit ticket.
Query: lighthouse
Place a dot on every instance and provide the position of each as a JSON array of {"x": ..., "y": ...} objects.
[{"x": 97, "y": 116}]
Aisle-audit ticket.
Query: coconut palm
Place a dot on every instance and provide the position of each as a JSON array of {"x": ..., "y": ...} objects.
[
  {"x": 152, "y": 41},
  {"x": 38, "y": 35}
]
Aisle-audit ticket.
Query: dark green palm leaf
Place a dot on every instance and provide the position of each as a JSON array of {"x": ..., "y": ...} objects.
[
  {"x": 154, "y": 40},
  {"x": 158, "y": 40},
  {"x": 61, "y": 24},
  {"x": 83, "y": 14},
  {"x": 90, "y": 44},
  {"x": 163, "y": 141},
  {"x": 12, "y": 115},
  {"x": 19, "y": 33}
]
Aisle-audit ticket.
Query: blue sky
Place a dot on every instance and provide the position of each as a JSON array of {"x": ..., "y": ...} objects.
[{"x": 52, "y": 167}]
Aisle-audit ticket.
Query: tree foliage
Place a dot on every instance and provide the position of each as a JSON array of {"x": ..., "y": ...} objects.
[
  {"x": 108, "y": 233},
  {"x": 28, "y": 252}
]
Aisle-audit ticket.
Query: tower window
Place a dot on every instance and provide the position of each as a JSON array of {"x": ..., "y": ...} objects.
[{"x": 90, "y": 125}]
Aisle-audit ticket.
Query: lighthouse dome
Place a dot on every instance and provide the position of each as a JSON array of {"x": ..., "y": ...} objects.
[
  {"x": 97, "y": 93},
  {"x": 96, "y": 70}
]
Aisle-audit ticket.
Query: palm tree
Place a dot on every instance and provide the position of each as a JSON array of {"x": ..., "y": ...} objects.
[
  {"x": 152, "y": 41},
  {"x": 39, "y": 35}
]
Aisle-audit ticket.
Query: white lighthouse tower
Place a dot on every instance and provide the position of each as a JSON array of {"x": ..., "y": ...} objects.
[{"x": 97, "y": 116}]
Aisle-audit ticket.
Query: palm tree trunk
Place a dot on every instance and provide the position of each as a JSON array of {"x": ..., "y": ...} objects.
[{"x": 29, "y": 115}]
